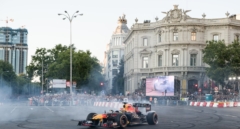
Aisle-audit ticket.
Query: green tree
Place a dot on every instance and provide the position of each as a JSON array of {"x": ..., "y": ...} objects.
[
  {"x": 223, "y": 60},
  {"x": 118, "y": 80},
  {"x": 233, "y": 60},
  {"x": 86, "y": 68},
  {"x": 6, "y": 71}
]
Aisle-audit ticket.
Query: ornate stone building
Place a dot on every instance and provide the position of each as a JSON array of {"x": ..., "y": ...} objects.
[
  {"x": 115, "y": 51},
  {"x": 173, "y": 46}
]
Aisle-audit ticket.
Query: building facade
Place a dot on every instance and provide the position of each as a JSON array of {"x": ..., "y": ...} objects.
[
  {"x": 14, "y": 48},
  {"x": 173, "y": 47},
  {"x": 115, "y": 51}
]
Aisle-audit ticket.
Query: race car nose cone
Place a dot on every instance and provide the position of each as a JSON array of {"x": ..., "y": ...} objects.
[{"x": 80, "y": 123}]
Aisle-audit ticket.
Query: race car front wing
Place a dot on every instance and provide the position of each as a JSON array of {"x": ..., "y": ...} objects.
[{"x": 108, "y": 124}]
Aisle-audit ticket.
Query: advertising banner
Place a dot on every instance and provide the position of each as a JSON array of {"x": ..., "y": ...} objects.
[
  {"x": 59, "y": 83},
  {"x": 160, "y": 86},
  {"x": 74, "y": 84}
]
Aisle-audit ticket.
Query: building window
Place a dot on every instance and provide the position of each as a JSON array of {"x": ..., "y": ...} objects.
[
  {"x": 145, "y": 62},
  {"x": 175, "y": 36},
  {"x": 115, "y": 63},
  {"x": 215, "y": 37},
  {"x": 159, "y": 38},
  {"x": 114, "y": 72},
  {"x": 115, "y": 54},
  {"x": 159, "y": 60},
  {"x": 193, "y": 59},
  {"x": 7, "y": 37},
  {"x": 145, "y": 42},
  {"x": 175, "y": 60},
  {"x": 236, "y": 37},
  {"x": 193, "y": 36},
  {"x": 21, "y": 37}
]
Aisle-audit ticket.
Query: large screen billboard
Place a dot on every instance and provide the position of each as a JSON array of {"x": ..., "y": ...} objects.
[{"x": 160, "y": 86}]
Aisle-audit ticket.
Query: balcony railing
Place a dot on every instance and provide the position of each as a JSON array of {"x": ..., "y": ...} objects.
[{"x": 172, "y": 68}]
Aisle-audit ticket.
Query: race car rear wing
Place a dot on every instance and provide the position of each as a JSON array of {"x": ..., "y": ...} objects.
[{"x": 147, "y": 106}]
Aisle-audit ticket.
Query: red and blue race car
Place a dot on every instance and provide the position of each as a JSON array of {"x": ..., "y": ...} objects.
[{"x": 130, "y": 114}]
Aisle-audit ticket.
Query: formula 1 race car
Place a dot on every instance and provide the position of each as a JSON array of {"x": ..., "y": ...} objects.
[{"x": 130, "y": 114}]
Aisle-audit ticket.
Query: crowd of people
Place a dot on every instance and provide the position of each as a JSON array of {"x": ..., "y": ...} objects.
[
  {"x": 89, "y": 99},
  {"x": 80, "y": 99}
]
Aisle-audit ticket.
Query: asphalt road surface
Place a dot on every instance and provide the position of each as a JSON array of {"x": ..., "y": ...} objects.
[{"x": 170, "y": 117}]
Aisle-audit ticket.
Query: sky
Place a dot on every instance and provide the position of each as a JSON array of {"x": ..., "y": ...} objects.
[{"x": 94, "y": 29}]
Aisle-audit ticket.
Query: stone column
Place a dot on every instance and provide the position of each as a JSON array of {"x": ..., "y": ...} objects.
[
  {"x": 185, "y": 53},
  {"x": 167, "y": 59},
  {"x": 182, "y": 57},
  {"x": 186, "y": 59},
  {"x": 200, "y": 56}
]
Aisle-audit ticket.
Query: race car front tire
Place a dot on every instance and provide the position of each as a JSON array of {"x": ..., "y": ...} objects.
[
  {"x": 95, "y": 122},
  {"x": 152, "y": 118},
  {"x": 122, "y": 120},
  {"x": 90, "y": 116}
]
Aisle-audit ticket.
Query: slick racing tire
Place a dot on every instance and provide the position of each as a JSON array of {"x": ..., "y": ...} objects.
[
  {"x": 152, "y": 118},
  {"x": 90, "y": 116},
  {"x": 95, "y": 122},
  {"x": 122, "y": 120}
]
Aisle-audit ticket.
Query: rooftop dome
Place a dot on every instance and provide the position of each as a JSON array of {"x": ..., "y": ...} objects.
[{"x": 122, "y": 26}]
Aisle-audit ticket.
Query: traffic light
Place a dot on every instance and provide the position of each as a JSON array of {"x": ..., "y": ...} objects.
[
  {"x": 196, "y": 85},
  {"x": 101, "y": 84}
]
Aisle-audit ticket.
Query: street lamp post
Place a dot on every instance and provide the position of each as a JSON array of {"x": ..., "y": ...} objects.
[
  {"x": 42, "y": 75},
  {"x": 70, "y": 18}
]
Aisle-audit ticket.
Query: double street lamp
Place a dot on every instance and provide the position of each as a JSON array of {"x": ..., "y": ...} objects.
[
  {"x": 70, "y": 18},
  {"x": 235, "y": 80}
]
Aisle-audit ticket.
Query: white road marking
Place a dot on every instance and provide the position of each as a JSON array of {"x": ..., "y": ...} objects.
[
  {"x": 184, "y": 109},
  {"x": 49, "y": 109},
  {"x": 13, "y": 110},
  {"x": 63, "y": 108},
  {"x": 227, "y": 115}
]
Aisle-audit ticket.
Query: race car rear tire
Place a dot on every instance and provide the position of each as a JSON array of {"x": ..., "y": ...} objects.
[
  {"x": 122, "y": 120},
  {"x": 152, "y": 118},
  {"x": 95, "y": 122}
]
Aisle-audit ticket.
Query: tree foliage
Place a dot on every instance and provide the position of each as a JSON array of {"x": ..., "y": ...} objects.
[
  {"x": 9, "y": 79},
  {"x": 118, "y": 80},
  {"x": 223, "y": 60},
  {"x": 56, "y": 65},
  {"x": 6, "y": 71}
]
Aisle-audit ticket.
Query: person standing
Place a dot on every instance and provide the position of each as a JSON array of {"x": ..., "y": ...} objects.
[{"x": 150, "y": 99}]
